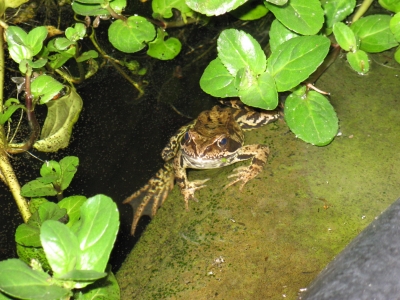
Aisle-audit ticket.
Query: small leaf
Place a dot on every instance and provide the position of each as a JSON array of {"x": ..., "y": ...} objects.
[
  {"x": 392, "y": 5},
  {"x": 132, "y": 35},
  {"x": 164, "y": 49},
  {"x": 20, "y": 281},
  {"x": 345, "y": 37},
  {"x": 73, "y": 205},
  {"x": 237, "y": 50},
  {"x": 374, "y": 32},
  {"x": 69, "y": 166},
  {"x": 82, "y": 275},
  {"x": 28, "y": 235},
  {"x": 95, "y": 7},
  {"x": 164, "y": 8},
  {"x": 358, "y": 61},
  {"x": 50, "y": 211},
  {"x": 302, "y": 16},
  {"x": 62, "y": 43},
  {"x": 311, "y": 117},
  {"x": 217, "y": 81},
  {"x": 215, "y": 7},
  {"x": 250, "y": 11},
  {"x": 296, "y": 59},
  {"x": 36, "y": 38},
  {"x": 97, "y": 233},
  {"x": 87, "y": 55},
  {"x": 45, "y": 87},
  {"x": 19, "y": 53},
  {"x": 16, "y": 36},
  {"x": 397, "y": 55},
  {"x": 50, "y": 167},
  {"x": 36, "y": 188},
  {"x": 61, "y": 116},
  {"x": 6, "y": 115},
  {"x": 60, "y": 245},
  {"x": 395, "y": 26}
]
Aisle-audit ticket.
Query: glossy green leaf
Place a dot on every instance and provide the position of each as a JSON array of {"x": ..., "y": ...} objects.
[
  {"x": 11, "y": 106},
  {"x": 296, "y": 59},
  {"x": 50, "y": 168},
  {"x": 217, "y": 81},
  {"x": 374, "y": 32},
  {"x": 73, "y": 205},
  {"x": 97, "y": 232},
  {"x": 16, "y": 36},
  {"x": 60, "y": 245},
  {"x": 37, "y": 64},
  {"x": 58, "y": 60},
  {"x": 337, "y": 10},
  {"x": 13, "y": 3},
  {"x": 345, "y": 37},
  {"x": 50, "y": 211},
  {"x": 215, "y": 7},
  {"x": 279, "y": 34},
  {"x": 397, "y": 55},
  {"x": 278, "y": 2},
  {"x": 19, "y": 53},
  {"x": 45, "y": 88},
  {"x": 164, "y": 8},
  {"x": 358, "y": 61},
  {"x": 162, "y": 48},
  {"x": 237, "y": 50},
  {"x": 82, "y": 275},
  {"x": 75, "y": 33},
  {"x": 250, "y": 11},
  {"x": 302, "y": 16},
  {"x": 37, "y": 188},
  {"x": 395, "y": 26},
  {"x": 132, "y": 35},
  {"x": 19, "y": 280},
  {"x": 106, "y": 288},
  {"x": 62, "y": 114},
  {"x": 392, "y": 5},
  {"x": 62, "y": 43},
  {"x": 69, "y": 166},
  {"x": 35, "y": 39},
  {"x": 262, "y": 93},
  {"x": 311, "y": 117}
]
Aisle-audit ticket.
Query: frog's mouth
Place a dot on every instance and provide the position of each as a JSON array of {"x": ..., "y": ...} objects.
[{"x": 224, "y": 159}]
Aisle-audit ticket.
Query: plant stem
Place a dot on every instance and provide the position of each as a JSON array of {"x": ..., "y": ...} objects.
[
  {"x": 361, "y": 10},
  {"x": 6, "y": 168}
]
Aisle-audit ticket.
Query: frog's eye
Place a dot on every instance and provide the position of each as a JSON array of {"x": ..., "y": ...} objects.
[
  {"x": 187, "y": 136},
  {"x": 222, "y": 142}
]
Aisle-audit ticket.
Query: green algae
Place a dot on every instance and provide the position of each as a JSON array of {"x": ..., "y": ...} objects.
[{"x": 275, "y": 236}]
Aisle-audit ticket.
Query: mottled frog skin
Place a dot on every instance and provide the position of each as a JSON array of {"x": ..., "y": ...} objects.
[{"x": 214, "y": 140}]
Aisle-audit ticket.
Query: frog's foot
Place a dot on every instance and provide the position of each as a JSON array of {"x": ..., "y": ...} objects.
[
  {"x": 150, "y": 197},
  {"x": 189, "y": 188},
  {"x": 244, "y": 174}
]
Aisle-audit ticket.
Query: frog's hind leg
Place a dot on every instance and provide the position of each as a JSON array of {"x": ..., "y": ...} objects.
[{"x": 150, "y": 197}]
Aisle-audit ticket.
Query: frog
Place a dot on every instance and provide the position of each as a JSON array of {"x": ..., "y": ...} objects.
[{"x": 214, "y": 139}]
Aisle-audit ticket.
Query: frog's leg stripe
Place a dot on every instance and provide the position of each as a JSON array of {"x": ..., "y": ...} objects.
[
  {"x": 155, "y": 192},
  {"x": 172, "y": 147},
  {"x": 252, "y": 119}
]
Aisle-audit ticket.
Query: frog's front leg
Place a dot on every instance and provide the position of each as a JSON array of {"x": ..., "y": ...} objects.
[
  {"x": 258, "y": 155},
  {"x": 187, "y": 187}
]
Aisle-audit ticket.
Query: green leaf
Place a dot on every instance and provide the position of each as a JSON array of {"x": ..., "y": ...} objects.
[
  {"x": 97, "y": 233},
  {"x": 69, "y": 166},
  {"x": 73, "y": 205},
  {"x": 132, "y": 35},
  {"x": 36, "y": 188},
  {"x": 217, "y": 81},
  {"x": 50, "y": 211},
  {"x": 106, "y": 288},
  {"x": 20, "y": 281},
  {"x": 19, "y": 53},
  {"x": 14, "y": 3},
  {"x": 279, "y": 34},
  {"x": 296, "y": 59},
  {"x": 38, "y": 63},
  {"x": 87, "y": 55},
  {"x": 45, "y": 87},
  {"x": 164, "y": 8},
  {"x": 392, "y": 5},
  {"x": 345, "y": 37},
  {"x": 250, "y": 11},
  {"x": 395, "y": 26},
  {"x": 337, "y": 10},
  {"x": 75, "y": 33},
  {"x": 374, "y": 32},
  {"x": 215, "y": 7},
  {"x": 82, "y": 275},
  {"x": 50, "y": 167},
  {"x": 237, "y": 50},
  {"x": 95, "y": 8},
  {"x": 277, "y": 2},
  {"x": 60, "y": 245},
  {"x": 302, "y": 16},
  {"x": 8, "y": 112},
  {"x": 164, "y": 49},
  {"x": 28, "y": 235},
  {"x": 61, "y": 116},
  {"x": 358, "y": 61},
  {"x": 36, "y": 38},
  {"x": 62, "y": 43},
  {"x": 262, "y": 93},
  {"x": 397, "y": 55},
  {"x": 311, "y": 117},
  {"x": 16, "y": 36}
]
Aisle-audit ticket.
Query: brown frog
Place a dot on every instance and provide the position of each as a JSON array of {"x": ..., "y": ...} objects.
[{"x": 215, "y": 139}]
